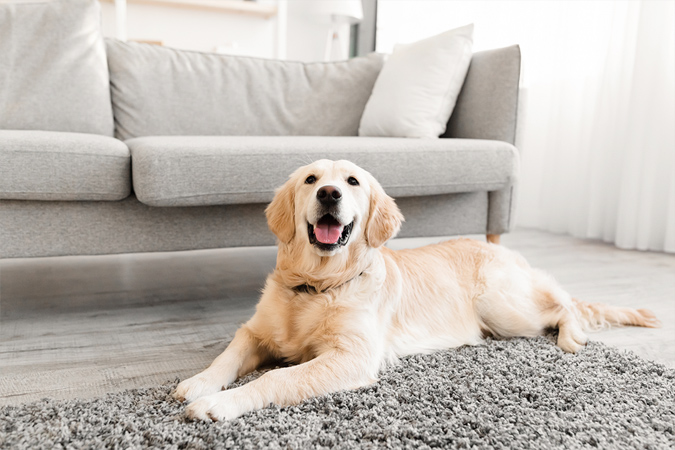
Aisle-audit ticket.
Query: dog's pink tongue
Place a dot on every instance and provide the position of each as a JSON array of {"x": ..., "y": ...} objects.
[{"x": 327, "y": 233}]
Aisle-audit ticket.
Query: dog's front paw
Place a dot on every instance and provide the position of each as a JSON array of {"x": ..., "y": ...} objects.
[
  {"x": 198, "y": 386},
  {"x": 220, "y": 406}
]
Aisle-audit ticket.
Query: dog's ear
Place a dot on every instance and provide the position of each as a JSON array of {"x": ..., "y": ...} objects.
[
  {"x": 281, "y": 212},
  {"x": 385, "y": 218}
]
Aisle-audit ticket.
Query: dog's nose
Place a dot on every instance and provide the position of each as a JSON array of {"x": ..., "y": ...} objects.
[{"x": 329, "y": 195}]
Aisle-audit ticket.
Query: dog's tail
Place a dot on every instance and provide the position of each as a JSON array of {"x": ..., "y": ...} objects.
[{"x": 597, "y": 316}]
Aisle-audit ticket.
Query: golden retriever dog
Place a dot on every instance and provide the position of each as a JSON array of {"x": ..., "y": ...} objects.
[{"x": 341, "y": 306}]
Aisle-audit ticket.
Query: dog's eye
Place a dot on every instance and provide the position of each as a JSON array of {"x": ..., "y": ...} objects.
[
  {"x": 353, "y": 181},
  {"x": 310, "y": 179}
]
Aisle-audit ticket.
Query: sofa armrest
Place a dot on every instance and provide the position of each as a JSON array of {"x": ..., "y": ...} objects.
[
  {"x": 487, "y": 105},
  {"x": 487, "y": 108}
]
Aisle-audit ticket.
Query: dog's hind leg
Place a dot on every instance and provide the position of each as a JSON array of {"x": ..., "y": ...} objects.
[
  {"x": 573, "y": 317},
  {"x": 556, "y": 310},
  {"x": 526, "y": 304},
  {"x": 596, "y": 316},
  {"x": 570, "y": 334}
]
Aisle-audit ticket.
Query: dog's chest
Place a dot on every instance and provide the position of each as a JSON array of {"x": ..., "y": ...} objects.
[{"x": 311, "y": 323}]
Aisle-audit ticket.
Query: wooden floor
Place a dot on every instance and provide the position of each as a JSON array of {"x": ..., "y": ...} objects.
[{"x": 83, "y": 326}]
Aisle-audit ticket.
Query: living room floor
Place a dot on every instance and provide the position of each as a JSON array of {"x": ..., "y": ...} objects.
[{"x": 83, "y": 326}]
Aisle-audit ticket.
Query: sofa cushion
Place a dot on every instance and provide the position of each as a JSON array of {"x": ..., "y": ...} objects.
[
  {"x": 53, "y": 69},
  {"x": 211, "y": 170},
  {"x": 418, "y": 86},
  {"x": 48, "y": 165},
  {"x": 487, "y": 106},
  {"x": 160, "y": 91}
]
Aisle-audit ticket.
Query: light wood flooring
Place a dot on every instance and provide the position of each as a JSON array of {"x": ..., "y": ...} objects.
[{"x": 83, "y": 326}]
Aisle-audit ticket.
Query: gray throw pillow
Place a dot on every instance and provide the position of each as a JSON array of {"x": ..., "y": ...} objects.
[
  {"x": 53, "y": 69},
  {"x": 158, "y": 91}
]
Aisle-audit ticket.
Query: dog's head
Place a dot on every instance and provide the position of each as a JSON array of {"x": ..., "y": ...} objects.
[{"x": 331, "y": 205}]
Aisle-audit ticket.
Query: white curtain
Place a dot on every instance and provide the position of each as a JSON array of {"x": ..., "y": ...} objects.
[
  {"x": 597, "y": 129},
  {"x": 599, "y": 149}
]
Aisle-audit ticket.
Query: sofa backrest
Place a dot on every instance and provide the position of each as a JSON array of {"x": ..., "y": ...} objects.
[
  {"x": 487, "y": 105},
  {"x": 53, "y": 69},
  {"x": 163, "y": 91}
]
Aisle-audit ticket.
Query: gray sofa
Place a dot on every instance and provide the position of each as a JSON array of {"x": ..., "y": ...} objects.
[{"x": 181, "y": 150}]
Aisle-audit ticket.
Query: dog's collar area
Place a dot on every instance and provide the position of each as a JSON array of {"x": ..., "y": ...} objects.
[
  {"x": 304, "y": 289},
  {"x": 309, "y": 289}
]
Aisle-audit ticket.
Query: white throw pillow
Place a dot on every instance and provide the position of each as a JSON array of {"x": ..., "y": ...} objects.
[{"x": 417, "y": 89}]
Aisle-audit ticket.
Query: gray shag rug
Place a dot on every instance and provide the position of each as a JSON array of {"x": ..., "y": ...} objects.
[{"x": 516, "y": 393}]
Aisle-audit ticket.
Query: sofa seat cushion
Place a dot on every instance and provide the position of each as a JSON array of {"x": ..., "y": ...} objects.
[
  {"x": 51, "y": 165},
  {"x": 212, "y": 170}
]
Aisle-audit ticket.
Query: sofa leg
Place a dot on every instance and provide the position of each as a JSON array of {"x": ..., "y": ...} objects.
[{"x": 493, "y": 238}]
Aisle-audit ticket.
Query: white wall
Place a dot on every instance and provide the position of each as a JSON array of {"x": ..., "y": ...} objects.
[
  {"x": 502, "y": 23},
  {"x": 307, "y": 33},
  {"x": 242, "y": 34},
  {"x": 199, "y": 30}
]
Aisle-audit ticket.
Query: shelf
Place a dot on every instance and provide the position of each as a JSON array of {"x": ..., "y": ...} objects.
[{"x": 226, "y": 6}]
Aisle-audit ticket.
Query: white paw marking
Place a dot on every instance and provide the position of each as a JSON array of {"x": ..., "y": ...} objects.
[
  {"x": 216, "y": 407},
  {"x": 568, "y": 344},
  {"x": 198, "y": 386}
]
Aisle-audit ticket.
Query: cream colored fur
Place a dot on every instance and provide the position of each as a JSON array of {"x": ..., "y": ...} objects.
[{"x": 373, "y": 305}]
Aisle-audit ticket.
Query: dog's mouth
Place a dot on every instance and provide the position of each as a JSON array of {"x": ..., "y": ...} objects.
[{"x": 329, "y": 233}]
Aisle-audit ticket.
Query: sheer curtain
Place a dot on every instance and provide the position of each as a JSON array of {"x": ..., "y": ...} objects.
[{"x": 597, "y": 124}]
